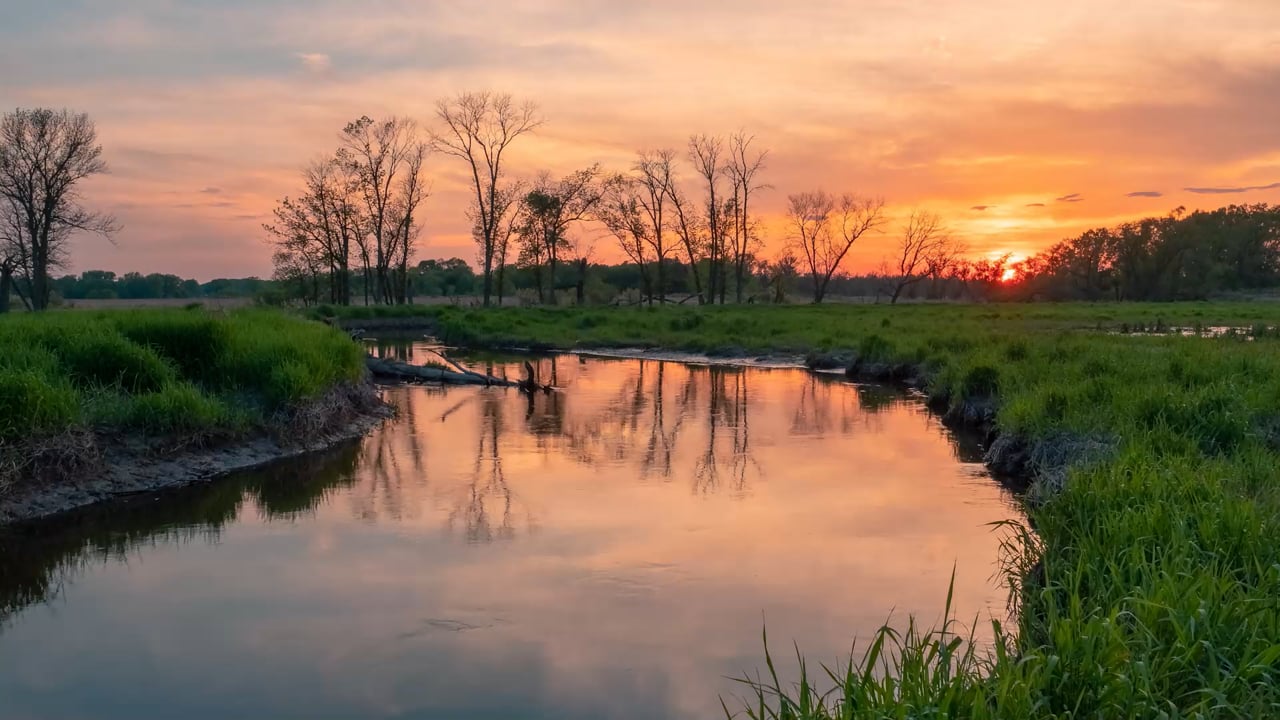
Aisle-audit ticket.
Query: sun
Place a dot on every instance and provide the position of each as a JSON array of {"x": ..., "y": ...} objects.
[{"x": 1011, "y": 260}]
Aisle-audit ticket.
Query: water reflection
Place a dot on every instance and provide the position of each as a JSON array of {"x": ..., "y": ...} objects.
[{"x": 604, "y": 550}]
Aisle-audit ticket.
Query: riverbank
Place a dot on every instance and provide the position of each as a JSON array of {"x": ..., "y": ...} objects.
[
  {"x": 1152, "y": 583},
  {"x": 98, "y": 405}
]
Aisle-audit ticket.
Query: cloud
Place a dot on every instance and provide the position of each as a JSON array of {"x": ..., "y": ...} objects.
[
  {"x": 981, "y": 208},
  {"x": 211, "y": 191},
  {"x": 1226, "y": 190},
  {"x": 1035, "y": 204},
  {"x": 1073, "y": 197},
  {"x": 314, "y": 62},
  {"x": 1145, "y": 194}
]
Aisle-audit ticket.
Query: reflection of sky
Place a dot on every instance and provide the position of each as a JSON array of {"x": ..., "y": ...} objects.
[
  {"x": 562, "y": 580},
  {"x": 985, "y": 112}
]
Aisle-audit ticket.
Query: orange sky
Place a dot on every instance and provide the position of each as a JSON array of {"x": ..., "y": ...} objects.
[{"x": 1054, "y": 117}]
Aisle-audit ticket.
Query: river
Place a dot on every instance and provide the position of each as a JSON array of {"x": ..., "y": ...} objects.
[{"x": 612, "y": 549}]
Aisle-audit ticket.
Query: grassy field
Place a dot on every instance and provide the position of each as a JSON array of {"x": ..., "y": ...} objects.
[
  {"x": 171, "y": 373},
  {"x": 1151, "y": 587}
]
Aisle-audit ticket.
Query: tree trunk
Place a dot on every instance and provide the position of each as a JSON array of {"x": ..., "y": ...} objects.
[
  {"x": 6, "y": 281},
  {"x": 582, "y": 281},
  {"x": 488, "y": 272}
]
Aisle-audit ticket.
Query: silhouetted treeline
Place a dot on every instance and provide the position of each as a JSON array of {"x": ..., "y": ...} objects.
[
  {"x": 106, "y": 285},
  {"x": 1177, "y": 257}
]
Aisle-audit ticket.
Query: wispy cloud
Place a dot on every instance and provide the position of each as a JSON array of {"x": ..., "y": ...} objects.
[
  {"x": 1073, "y": 197},
  {"x": 314, "y": 62},
  {"x": 1229, "y": 190},
  {"x": 211, "y": 191},
  {"x": 1035, "y": 204},
  {"x": 1145, "y": 194},
  {"x": 981, "y": 208}
]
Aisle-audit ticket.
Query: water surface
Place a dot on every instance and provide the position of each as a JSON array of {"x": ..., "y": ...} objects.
[{"x": 609, "y": 550}]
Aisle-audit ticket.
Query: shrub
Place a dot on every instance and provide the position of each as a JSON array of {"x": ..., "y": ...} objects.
[
  {"x": 32, "y": 403},
  {"x": 177, "y": 409}
]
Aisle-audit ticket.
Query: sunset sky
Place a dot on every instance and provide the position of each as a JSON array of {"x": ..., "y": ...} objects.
[{"x": 1019, "y": 122}]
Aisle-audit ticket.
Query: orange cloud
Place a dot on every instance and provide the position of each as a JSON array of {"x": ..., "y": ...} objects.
[{"x": 942, "y": 104}]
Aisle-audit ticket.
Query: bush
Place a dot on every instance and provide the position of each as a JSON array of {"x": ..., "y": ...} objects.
[
  {"x": 33, "y": 404},
  {"x": 109, "y": 360},
  {"x": 177, "y": 409}
]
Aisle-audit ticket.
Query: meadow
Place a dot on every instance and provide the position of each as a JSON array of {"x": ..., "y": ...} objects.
[
  {"x": 181, "y": 375},
  {"x": 1150, "y": 586}
]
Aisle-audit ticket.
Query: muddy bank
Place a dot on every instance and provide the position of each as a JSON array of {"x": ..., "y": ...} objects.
[
  {"x": 1038, "y": 466},
  {"x": 103, "y": 467}
]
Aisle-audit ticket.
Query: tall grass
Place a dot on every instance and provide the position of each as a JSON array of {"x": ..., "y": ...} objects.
[
  {"x": 162, "y": 372},
  {"x": 1151, "y": 588}
]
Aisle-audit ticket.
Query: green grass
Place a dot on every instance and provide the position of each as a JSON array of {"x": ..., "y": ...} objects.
[
  {"x": 1151, "y": 587},
  {"x": 162, "y": 372}
]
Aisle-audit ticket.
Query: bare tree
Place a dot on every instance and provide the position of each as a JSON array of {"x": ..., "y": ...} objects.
[
  {"x": 478, "y": 128},
  {"x": 510, "y": 213},
  {"x": 924, "y": 239},
  {"x": 690, "y": 230},
  {"x": 44, "y": 155},
  {"x": 706, "y": 153},
  {"x": 822, "y": 244},
  {"x": 386, "y": 157},
  {"x": 653, "y": 176},
  {"x": 324, "y": 222},
  {"x": 743, "y": 167},
  {"x": 622, "y": 213},
  {"x": 406, "y": 223}
]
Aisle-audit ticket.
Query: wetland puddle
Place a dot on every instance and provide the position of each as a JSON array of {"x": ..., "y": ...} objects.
[{"x": 608, "y": 551}]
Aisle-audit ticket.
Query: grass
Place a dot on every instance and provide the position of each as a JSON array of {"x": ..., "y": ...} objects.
[
  {"x": 162, "y": 372},
  {"x": 1151, "y": 587}
]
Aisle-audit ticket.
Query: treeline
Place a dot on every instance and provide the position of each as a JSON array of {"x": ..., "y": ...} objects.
[
  {"x": 106, "y": 285},
  {"x": 1178, "y": 257}
]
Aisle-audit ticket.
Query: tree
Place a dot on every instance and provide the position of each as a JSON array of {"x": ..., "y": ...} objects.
[
  {"x": 653, "y": 179},
  {"x": 690, "y": 229},
  {"x": 478, "y": 128},
  {"x": 328, "y": 221},
  {"x": 822, "y": 246},
  {"x": 743, "y": 167},
  {"x": 622, "y": 213},
  {"x": 924, "y": 239},
  {"x": 386, "y": 159},
  {"x": 549, "y": 210},
  {"x": 779, "y": 275},
  {"x": 44, "y": 156},
  {"x": 706, "y": 154}
]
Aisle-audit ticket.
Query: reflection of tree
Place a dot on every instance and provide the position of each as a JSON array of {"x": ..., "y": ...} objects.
[
  {"x": 392, "y": 456},
  {"x": 825, "y": 403},
  {"x": 485, "y": 509},
  {"x": 37, "y": 560},
  {"x": 727, "y": 417}
]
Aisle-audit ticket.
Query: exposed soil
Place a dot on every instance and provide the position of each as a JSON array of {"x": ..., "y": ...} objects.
[{"x": 107, "y": 467}]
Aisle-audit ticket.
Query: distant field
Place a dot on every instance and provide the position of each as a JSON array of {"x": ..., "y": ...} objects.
[{"x": 118, "y": 304}]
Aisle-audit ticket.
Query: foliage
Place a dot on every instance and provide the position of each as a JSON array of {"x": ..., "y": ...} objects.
[
  {"x": 163, "y": 371},
  {"x": 1178, "y": 256}
]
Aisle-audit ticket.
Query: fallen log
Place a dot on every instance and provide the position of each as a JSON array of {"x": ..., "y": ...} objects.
[{"x": 396, "y": 370}]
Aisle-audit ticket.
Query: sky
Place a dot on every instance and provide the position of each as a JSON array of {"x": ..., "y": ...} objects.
[{"x": 1020, "y": 123}]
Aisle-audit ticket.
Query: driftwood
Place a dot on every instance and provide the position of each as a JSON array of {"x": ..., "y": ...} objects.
[{"x": 454, "y": 374}]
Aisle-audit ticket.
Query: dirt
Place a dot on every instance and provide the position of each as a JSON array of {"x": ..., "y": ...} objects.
[{"x": 131, "y": 465}]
